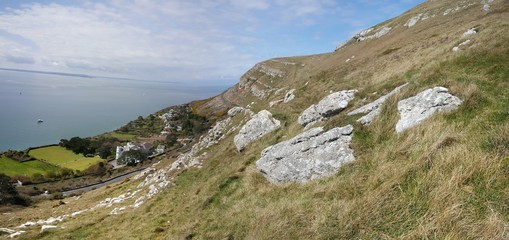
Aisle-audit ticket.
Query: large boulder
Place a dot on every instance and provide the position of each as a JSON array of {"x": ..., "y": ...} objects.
[
  {"x": 310, "y": 155},
  {"x": 420, "y": 107},
  {"x": 373, "y": 109},
  {"x": 259, "y": 125},
  {"x": 328, "y": 106}
]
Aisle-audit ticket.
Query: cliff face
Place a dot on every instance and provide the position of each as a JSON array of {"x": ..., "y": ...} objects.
[{"x": 441, "y": 68}]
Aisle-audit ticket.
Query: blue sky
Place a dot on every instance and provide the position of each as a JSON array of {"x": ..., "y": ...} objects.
[{"x": 191, "y": 41}]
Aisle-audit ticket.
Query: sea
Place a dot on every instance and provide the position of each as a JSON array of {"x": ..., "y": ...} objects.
[{"x": 72, "y": 106}]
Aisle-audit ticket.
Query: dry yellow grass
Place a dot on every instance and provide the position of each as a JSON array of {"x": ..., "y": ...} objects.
[{"x": 444, "y": 179}]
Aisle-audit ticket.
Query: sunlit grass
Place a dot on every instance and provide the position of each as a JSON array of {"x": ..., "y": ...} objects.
[
  {"x": 11, "y": 167},
  {"x": 64, "y": 158}
]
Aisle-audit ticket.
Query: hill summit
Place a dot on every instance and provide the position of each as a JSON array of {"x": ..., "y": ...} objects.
[{"x": 400, "y": 132}]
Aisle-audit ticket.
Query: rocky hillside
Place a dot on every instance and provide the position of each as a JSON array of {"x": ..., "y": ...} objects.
[{"x": 401, "y": 132}]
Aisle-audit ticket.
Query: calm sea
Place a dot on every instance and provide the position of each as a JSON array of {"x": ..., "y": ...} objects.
[{"x": 74, "y": 106}]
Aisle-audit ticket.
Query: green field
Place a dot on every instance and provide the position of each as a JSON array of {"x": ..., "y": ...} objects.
[
  {"x": 120, "y": 136},
  {"x": 65, "y": 158},
  {"x": 11, "y": 167},
  {"x": 82, "y": 163}
]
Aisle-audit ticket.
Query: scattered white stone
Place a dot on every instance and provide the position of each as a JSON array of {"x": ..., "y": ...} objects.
[
  {"x": 350, "y": 58},
  {"x": 12, "y": 233},
  {"x": 466, "y": 42},
  {"x": 74, "y": 214},
  {"x": 420, "y": 107},
  {"x": 273, "y": 103},
  {"x": 382, "y": 32},
  {"x": 279, "y": 91},
  {"x": 328, "y": 106},
  {"x": 47, "y": 227},
  {"x": 259, "y": 125},
  {"x": 16, "y": 234},
  {"x": 373, "y": 109},
  {"x": 469, "y": 32},
  {"x": 27, "y": 224},
  {"x": 289, "y": 96},
  {"x": 458, "y": 48},
  {"x": 118, "y": 210},
  {"x": 310, "y": 155},
  {"x": 143, "y": 173},
  {"x": 364, "y": 34},
  {"x": 139, "y": 202},
  {"x": 413, "y": 20},
  {"x": 486, "y": 5}
]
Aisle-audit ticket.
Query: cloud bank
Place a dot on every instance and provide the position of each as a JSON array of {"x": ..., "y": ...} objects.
[{"x": 187, "y": 41}]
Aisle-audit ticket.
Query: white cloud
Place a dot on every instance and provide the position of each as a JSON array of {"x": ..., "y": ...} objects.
[{"x": 173, "y": 40}]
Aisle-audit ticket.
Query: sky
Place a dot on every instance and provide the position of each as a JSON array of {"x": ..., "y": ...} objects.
[{"x": 185, "y": 41}]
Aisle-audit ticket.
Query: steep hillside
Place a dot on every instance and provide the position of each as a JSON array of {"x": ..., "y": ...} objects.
[{"x": 444, "y": 177}]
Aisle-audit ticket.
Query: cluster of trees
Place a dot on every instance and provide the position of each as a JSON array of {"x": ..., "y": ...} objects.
[
  {"x": 104, "y": 146},
  {"x": 193, "y": 124},
  {"x": 8, "y": 193},
  {"x": 147, "y": 126}
]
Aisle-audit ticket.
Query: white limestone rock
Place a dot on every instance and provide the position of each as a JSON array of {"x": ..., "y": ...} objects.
[
  {"x": 413, "y": 20},
  {"x": 486, "y": 5},
  {"x": 273, "y": 72},
  {"x": 368, "y": 33},
  {"x": 259, "y": 125},
  {"x": 328, "y": 106},
  {"x": 310, "y": 155},
  {"x": 373, "y": 109},
  {"x": 458, "y": 48},
  {"x": 275, "y": 102},
  {"x": 289, "y": 96},
  {"x": 469, "y": 32},
  {"x": 12, "y": 233},
  {"x": 422, "y": 106},
  {"x": 234, "y": 111},
  {"x": 45, "y": 228}
]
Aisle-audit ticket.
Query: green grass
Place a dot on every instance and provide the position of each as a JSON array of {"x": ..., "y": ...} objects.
[
  {"x": 120, "y": 136},
  {"x": 55, "y": 154},
  {"x": 11, "y": 167},
  {"x": 82, "y": 163},
  {"x": 65, "y": 158}
]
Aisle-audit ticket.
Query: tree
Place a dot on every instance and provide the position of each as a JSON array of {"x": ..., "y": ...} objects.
[
  {"x": 171, "y": 139},
  {"x": 8, "y": 193}
]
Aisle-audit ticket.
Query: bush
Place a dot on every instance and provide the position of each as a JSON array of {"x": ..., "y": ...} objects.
[{"x": 8, "y": 193}]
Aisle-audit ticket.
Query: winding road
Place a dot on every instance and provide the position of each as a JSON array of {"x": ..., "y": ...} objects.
[{"x": 102, "y": 184}]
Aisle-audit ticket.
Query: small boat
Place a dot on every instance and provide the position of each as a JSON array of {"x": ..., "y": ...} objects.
[{"x": 40, "y": 120}]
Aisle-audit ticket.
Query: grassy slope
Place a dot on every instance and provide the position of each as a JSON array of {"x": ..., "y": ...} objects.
[
  {"x": 65, "y": 158},
  {"x": 446, "y": 178},
  {"x": 12, "y": 168}
]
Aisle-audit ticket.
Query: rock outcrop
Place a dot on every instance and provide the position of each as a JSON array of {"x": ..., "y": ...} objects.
[
  {"x": 420, "y": 107},
  {"x": 373, "y": 109},
  {"x": 328, "y": 106},
  {"x": 259, "y": 125},
  {"x": 289, "y": 96},
  {"x": 310, "y": 155},
  {"x": 368, "y": 33},
  {"x": 273, "y": 72}
]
